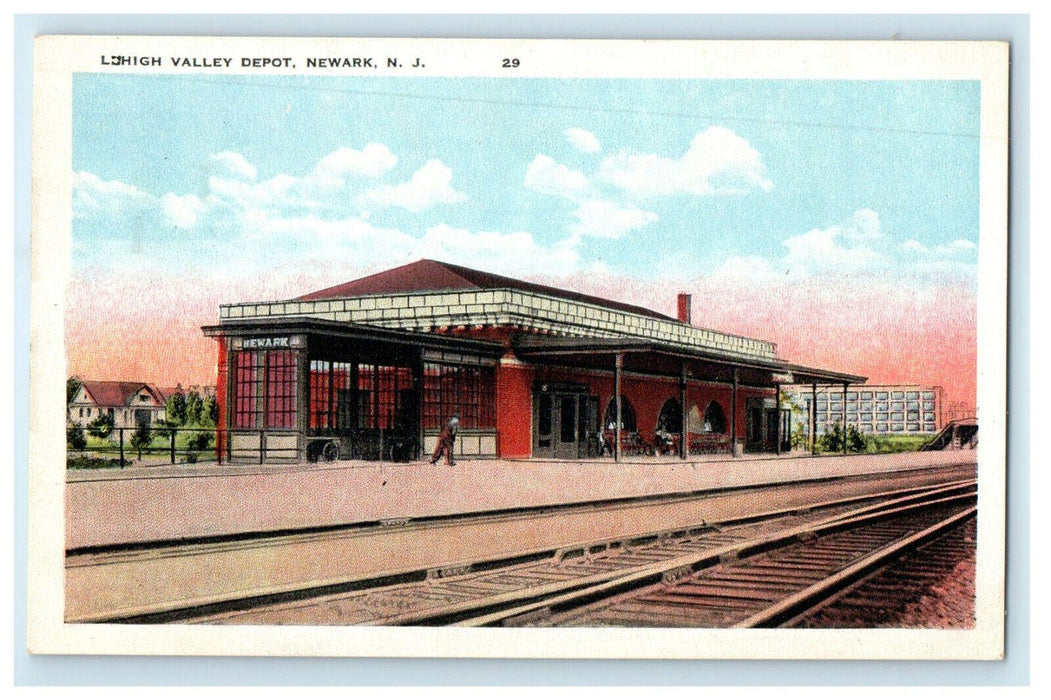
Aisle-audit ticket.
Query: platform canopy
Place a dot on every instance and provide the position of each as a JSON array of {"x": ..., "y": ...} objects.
[{"x": 655, "y": 357}]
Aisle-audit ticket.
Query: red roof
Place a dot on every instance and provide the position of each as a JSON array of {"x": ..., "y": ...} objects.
[
  {"x": 114, "y": 394},
  {"x": 166, "y": 392},
  {"x": 434, "y": 276}
]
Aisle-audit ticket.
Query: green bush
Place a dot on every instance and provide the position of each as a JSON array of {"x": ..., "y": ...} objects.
[
  {"x": 855, "y": 440},
  {"x": 142, "y": 437},
  {"x": 101, "y": 427},
  {"x": 92, "y": 463},
  {"x": 200, "y": 441},
  {"x": 799, "y": 435},
  {"x": 75, "y": 439},
  {"x": 831, "y": 440}
]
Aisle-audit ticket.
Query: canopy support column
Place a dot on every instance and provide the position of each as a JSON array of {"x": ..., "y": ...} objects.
[
  {"x": 733, "y": 415},
  {"x": 684, "y": 448},
  {"x": 813, "y": 418},
  {"x": 845, "y": 385},
  {"x": 618, "y": 364},
  {"x": 302, "y": 360},
  {"x": 777, "y": 407}
]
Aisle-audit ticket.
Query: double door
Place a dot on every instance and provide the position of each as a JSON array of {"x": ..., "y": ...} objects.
[
  {"x": 763, "y": 429},
  {"x": 565, "y": 424}
]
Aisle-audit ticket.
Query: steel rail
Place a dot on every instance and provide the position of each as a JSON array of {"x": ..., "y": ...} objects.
[
  {"x": 618, "y": 582},
  {"x": 817, "y": 593},
  {"x": 386, "y": 579}
]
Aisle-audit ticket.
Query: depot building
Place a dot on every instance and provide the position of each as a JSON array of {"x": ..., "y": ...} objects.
[{"x": 374, "y": 368}]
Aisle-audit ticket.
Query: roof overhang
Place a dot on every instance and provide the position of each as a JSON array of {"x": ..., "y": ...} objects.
[
  {"x": 598, "y": 352},
  {"x": 352, "y": 332},
  {"x": 813, "y": 375}
]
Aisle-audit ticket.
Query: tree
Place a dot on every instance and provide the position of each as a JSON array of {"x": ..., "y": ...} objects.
[
  {"x": 75, "y": 438},
  {"x": 855, "y": 440},
  {"x": 832, "y": 440},
  {"x": 799, "y": 436},
  {"x": 142, "y": 437},
  {"x": 194, "y": 408},
  {"x": 73, "y": 385},
  {"x": 175, "y": 409},
  {"x": 102, "y": 426},
  {"x": 211, "y": 411}
]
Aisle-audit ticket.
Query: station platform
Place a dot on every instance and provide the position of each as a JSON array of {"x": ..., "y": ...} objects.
[{"x": 107, "y": 507}]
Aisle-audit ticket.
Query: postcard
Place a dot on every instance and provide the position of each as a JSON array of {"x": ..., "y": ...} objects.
[{"x": 518, "y": 348}]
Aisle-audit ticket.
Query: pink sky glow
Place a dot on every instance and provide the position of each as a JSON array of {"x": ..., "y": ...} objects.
[{"x": 892, "y": 333}]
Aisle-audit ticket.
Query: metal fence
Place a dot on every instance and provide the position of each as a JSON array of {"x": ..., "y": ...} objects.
[{"x": 124, "y": 447}]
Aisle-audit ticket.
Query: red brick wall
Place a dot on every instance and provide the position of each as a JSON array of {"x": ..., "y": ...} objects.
[
  {"x": 647, "y": 395},
  {"x": 514, "y": 410}
]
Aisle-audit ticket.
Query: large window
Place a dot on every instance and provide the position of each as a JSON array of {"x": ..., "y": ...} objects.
[
  {"x": 670, "y": 418},
  {"x": 265, "y": 389},
  {"x": 327, "y": 381},
  {"x": 714, "y": 418},
  {"x": 627, "y": 415},
  {"x": 469, "y": 390},
  {"x": 248, "y": 389},
  {"x": 383, "y": 395}
]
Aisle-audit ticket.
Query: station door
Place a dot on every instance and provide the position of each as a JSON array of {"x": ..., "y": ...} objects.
[{"x": 565, "y": 422}]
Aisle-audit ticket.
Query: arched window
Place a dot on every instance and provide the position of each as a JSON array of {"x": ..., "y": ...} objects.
[
  {"x": 714, "y": 418},
  {"x": 627, "y": 414},
  {"x": 670, "y": 419}
]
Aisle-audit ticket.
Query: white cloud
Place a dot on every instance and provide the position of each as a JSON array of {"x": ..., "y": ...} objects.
[
  {"x": 821, "y": 251},
  {"x": 546, "y": 176},
  {"x": 100, "y": 206},
  {"x": 230, "y": 164},
  {"x": 864, "y": 225},
  {"x": 959, "y": 248},
  {"x": 718, "y": 162},
  {"x": 583, "y": 140},
  {"x": 372, "y": 161},
  {"x": 857, "y": 246},
  {"x": 89, "y": 190},
  {"x": 278, "y": 191},
  {"x": 511, "y": 253},
  {"x": 327, "y": 185},
  {"x": 181, "y": 212},
  {"x": 599, "y": 218},
  {"x": 430, "y": 185}
]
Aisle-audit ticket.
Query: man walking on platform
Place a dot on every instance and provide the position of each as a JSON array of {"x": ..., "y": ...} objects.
[{"x": 446, "y": 440}]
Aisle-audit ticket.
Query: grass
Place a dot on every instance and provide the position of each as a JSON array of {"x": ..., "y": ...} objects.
[
  {"x": 879, "y": 444},
  {"x": 888, "y": 444},
  {"x": 95, "y": 454}
]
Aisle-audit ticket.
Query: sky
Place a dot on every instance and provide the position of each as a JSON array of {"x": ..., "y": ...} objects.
[{"x": 838, "y": 219}]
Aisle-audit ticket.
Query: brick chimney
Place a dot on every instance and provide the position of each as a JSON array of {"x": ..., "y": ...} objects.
[{"x": 685, "y": 308}]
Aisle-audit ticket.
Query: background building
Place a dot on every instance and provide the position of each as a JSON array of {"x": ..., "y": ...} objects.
[
  {"x": 129, "y": 404},
  {"x": 874, "y": 409}
]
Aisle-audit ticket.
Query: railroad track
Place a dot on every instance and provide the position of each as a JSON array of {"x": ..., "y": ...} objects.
[
  {"x": 932, "y": 585},
  {"x": 761, "y": 572},
  {"x": 166, "y": 581}
]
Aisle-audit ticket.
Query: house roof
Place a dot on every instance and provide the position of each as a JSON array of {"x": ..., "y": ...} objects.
[
  {"x": 432, "y": 275},
  {"x": 167, "y": 392},
  {"x": 117, "y": 394}
]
